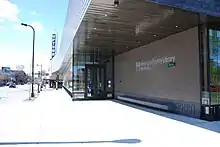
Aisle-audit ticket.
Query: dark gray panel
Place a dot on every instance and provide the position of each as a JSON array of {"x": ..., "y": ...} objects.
[
  {"x": 210, "y": 7},
  {"x": 176, "y": 106}
]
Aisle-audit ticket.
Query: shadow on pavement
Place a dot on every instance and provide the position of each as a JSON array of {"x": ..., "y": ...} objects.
[
  {"x": 31, "y": 99},
  {"x": 124, "y": 141},
  {"x": 212, "y": 126}
]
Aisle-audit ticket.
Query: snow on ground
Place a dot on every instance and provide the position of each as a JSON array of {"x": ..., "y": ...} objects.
[
  {"x": 55, "y": 120},
  {"x": 15, "y": 95}
]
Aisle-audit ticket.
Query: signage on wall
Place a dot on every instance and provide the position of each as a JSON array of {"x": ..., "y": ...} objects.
[
  {"x": 6, "y": 69},
  {"x": 54, "y": 45},
  {"x": 148, "y": 65},
  {"x": 205, "y": 98},
  {"x": 171, "y": 64},
  {"x": 20, "y": 67}
]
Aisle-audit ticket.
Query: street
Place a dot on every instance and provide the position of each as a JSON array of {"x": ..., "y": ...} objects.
[{"x": 15, "y": 95}]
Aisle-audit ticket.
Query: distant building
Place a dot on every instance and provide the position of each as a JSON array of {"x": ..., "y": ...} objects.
[
  {"x": 3, "y": 79},
  {"x": 7, "y": 74},
  {"x": 18, "y": 76}
]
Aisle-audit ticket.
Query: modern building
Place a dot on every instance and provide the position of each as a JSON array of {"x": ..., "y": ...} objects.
[
  {"x": 159, "y": 53},
  {"x": 3, "y": 78},
  {"x": 6, "y": 75},
  {"x": 20, "y": 76}
]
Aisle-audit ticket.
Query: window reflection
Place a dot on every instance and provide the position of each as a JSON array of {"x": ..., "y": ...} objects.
[
  {"x": 78, "y": 78},
  {"x": 214, "y": 47},
  {"x": 67, "y": 82},
  {"x": 78, "y": 75},
  {"x": 210, "y": 32},
  {"x": 67, "y": 77}
]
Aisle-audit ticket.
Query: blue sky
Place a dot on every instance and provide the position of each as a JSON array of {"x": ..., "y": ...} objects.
[{"x": 16, "y": 40}]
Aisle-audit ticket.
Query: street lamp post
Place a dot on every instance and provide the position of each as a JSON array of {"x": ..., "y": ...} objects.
[{"x": 32, "y": 86}]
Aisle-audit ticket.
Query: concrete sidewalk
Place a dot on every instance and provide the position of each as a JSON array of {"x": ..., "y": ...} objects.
[{"x": 54, "y": 119}]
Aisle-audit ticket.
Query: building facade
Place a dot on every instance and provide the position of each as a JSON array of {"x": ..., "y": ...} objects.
[{"x": 158, "y": 53}]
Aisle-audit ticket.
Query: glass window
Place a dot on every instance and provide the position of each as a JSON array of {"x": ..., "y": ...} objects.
[
  {"x": 214, "y": 49},
  {"x": 67, "y": 79},
  {"x": 78, "y": 75},
  {"x": 210, "y": 32},
  {"x": 218, "y": 34}
]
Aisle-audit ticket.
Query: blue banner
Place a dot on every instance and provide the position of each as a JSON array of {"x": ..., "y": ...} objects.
[
  {"x": 6, "y": 69},
  {"x": 210, "y": 7}
]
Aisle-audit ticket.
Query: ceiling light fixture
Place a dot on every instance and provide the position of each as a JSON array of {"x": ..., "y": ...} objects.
[
  {"x": 155, "y": 35},
  {"x": 116, "y": 3},
  {"x": 176, "y": 26}
]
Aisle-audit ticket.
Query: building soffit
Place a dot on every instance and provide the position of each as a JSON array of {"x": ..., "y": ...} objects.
[{"x": 131, "y": 24}]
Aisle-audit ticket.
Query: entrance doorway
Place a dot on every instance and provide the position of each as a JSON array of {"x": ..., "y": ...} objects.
[{"x": 95, "y": 81}]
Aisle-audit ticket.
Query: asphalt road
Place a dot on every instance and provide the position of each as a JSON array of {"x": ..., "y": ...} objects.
[{"x": 14, "y": 95}]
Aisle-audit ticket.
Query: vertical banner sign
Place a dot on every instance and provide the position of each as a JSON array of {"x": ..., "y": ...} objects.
[{"x": 54, "y": 45}]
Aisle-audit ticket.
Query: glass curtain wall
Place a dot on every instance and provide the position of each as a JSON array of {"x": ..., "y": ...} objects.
[
  {"x": 214, "y": 61},
  {"x": 68, "y": 77},
  {"x": 67, "y": 74},
  {"x": 80, "y": 61},
  {"x": 210, "y": 72},
  {"x": 78, "y": 75}
]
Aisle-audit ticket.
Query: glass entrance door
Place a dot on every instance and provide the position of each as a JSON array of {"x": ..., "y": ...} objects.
[{"x": 95, "y": 81}]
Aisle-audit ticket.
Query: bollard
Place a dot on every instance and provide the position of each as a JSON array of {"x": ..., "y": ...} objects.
[
  {"x": 38, "y": 88},
  {"x": 56, "y": 85},
  {"x": 57, "y": 82}
]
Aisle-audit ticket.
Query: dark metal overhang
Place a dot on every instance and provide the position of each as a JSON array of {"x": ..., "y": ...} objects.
[
  {"x": 213, "y": 22},
  {"x": 131, "y": 24}
]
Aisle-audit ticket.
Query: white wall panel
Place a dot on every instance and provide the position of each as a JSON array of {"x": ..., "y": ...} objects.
[{"x": 75, "y": 14}]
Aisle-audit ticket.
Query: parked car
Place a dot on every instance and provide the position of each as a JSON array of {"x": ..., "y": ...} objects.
[
  {"x": 7, "y": 84},
  {"x": 12, "y": 85}
]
